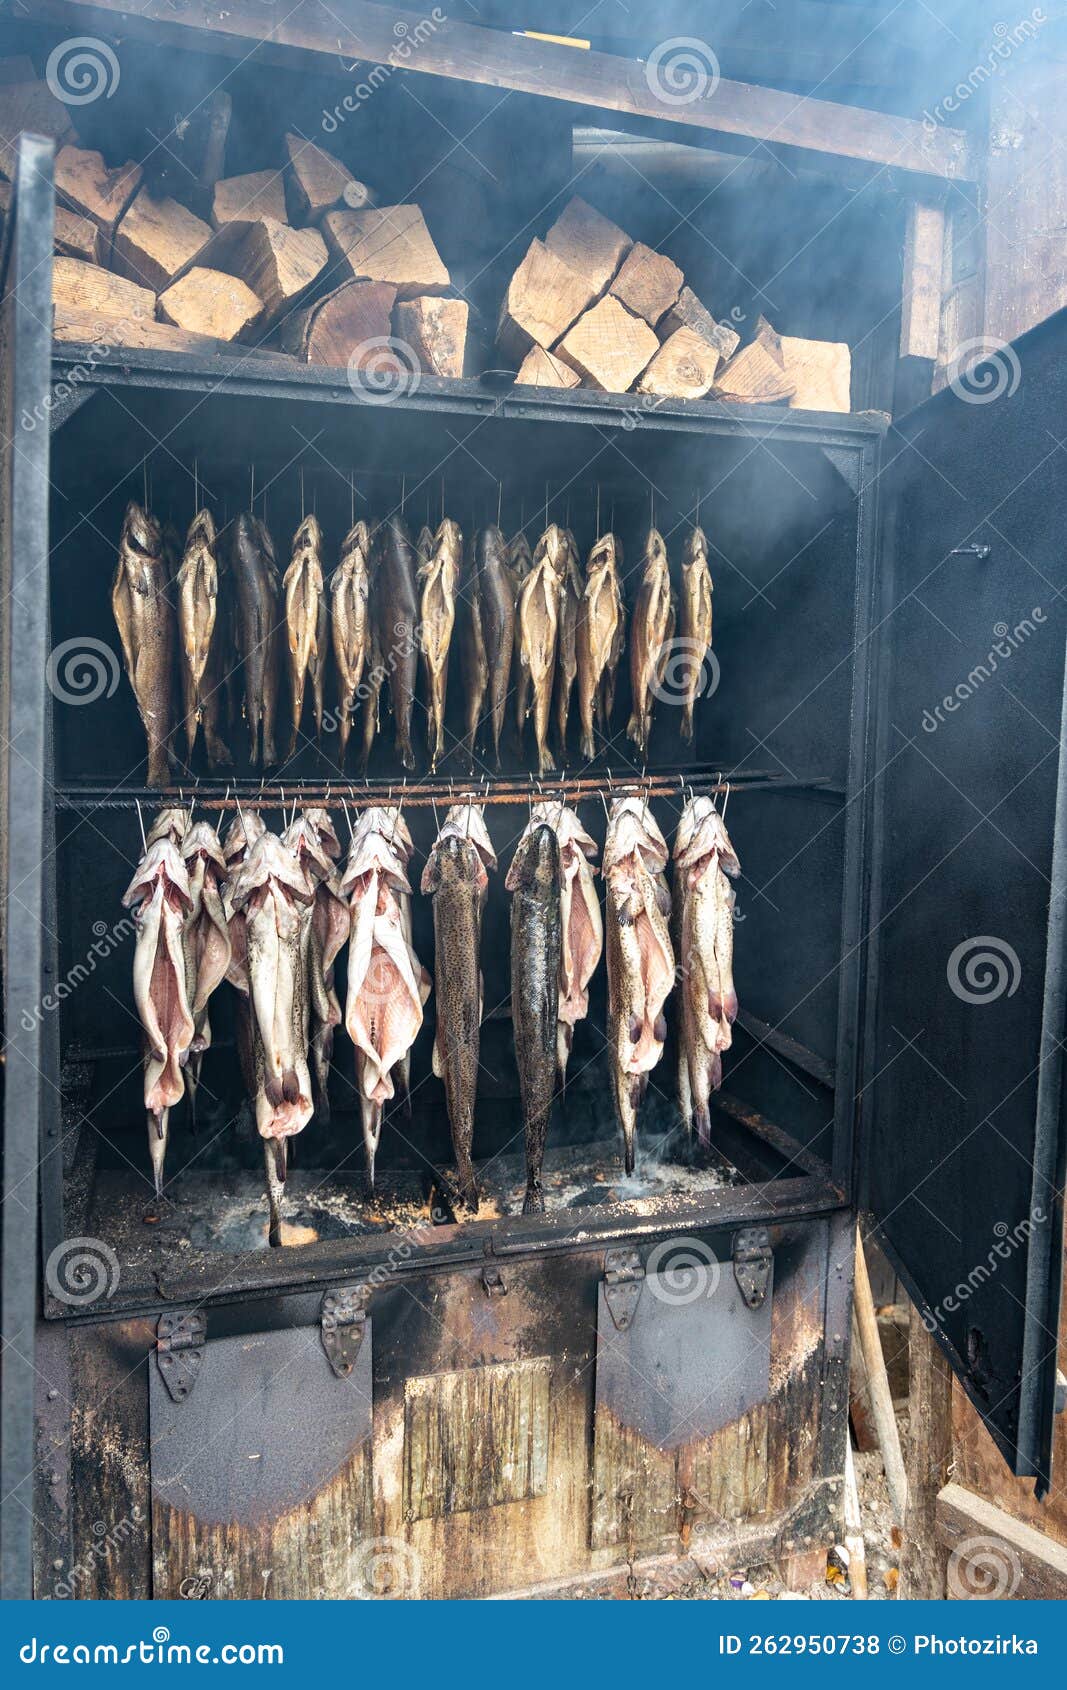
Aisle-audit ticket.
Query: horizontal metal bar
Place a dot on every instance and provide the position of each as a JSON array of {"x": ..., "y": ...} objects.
[{"x": 793, "y": 1051}]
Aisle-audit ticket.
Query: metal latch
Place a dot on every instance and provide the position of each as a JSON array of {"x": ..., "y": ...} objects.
[
  {"x": 180, "y": 1350},
  {"x": 752, "y": 1264},
  {"x": 343, "y": 1319},
  {"x": 493, "y": 1282},
  {"x": 623, "y": 1274}
]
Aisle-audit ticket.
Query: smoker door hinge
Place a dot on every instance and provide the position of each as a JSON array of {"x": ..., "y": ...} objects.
[
  {"x": 180, "y": 1350},
  {"x": 752, "y": 1264},
  {"x": 343, "y": 1320},
  {"x": 623, "y": 1274},
  {"x": 493, "y": 1282}
]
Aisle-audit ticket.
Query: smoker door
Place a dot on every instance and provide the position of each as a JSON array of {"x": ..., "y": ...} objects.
[
  {"x": 25, "y": 355},
  {"x": 962, "y": 1111}
]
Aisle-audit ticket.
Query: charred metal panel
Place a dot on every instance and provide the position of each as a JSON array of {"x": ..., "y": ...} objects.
[
  {"x": 476, "y": 1437},
  {"x": 680, "y": 1428},
  {"x": 261, "y": 1476}
]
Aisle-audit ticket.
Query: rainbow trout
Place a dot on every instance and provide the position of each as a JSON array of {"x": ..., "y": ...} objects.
[
  {"x": 145, "y": 618},
  {"x": 536, "y": 948}
]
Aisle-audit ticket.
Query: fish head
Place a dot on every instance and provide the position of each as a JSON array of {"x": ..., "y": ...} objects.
[
  {"x": 520, "y": 557},
  {"x": 424, "y": 545},
  {"x": 654, "y": 559},
  {"x": 632, "y": 828},
  {"x": 705, "y": 836},
  {"x": 303, "y": 839},
  {"x": 553, "y": 549},
  {"x": 695, "y": 550},
  {"x": 202, "y": 531},
  {"x": 270, "y": 861},
  {"x": 356, "y": 546},
  {"x": 201, "y": 840},
  {"x": 535, "y": 865},
  {"x": 448, "y": 546},
  {"x": 374, "y": 853},
  {"x": 491, "y": 547},
  {"x": 247, "y": 826},
  {"x": 141, "y": 531},
  {"x": 172, "y": 822},
  {"x": 453, "y": 863},
  {"x": 605, "y": 555},
  {"x": 308, "y": 536},
  {"x": 321, "y": 820},
  {"x": 467, "y": 821},
  {"x": 161, "y": 863}
]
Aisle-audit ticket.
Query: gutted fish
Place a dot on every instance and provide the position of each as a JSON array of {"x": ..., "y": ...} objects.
[
  {"x": 305, "y": 610},
  {"x": 640, "y": 956},
  {"x": 160, "y": 896},
  {"x": 439, "y": 576},
  {"x": 537, "y": 614},
  {"x": 198, "y": 591},
  {"x": 260, "y": 620},
  {"x": 474, "y": 658},
  {"x": 206, "y": 939},
  {"x": 456, "y": 875},
  {"x": 314, "y": 843},
  {"x": 651, "y": 631},
  {"x": 396, "y": 598},
  {"x": 582, "y": 927},
  {"x": 571, "y": 592},
  {"x": 704, "y": 858},
  {"x": 350, "y": 618},
  {"x": 694, "y": 624},
  {"x": 599, "y": 639},
  {"x": 496, "y": 592},
  {"x": 142, "y": 602},
  {"x": 536, "y": 959}
]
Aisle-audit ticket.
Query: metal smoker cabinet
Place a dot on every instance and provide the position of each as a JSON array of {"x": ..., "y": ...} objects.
[{"x": 515, "y": 1405}]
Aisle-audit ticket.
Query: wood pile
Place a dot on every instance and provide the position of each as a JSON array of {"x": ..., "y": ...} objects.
[{"x": 590, "y": 307}]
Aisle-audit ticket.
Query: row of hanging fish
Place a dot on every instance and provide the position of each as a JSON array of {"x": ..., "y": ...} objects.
[
  {"x": 217, "y": 623},
  {"x": 272, "y": 913}
]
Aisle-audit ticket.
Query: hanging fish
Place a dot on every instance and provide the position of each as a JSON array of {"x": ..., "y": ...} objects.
[
  {"x": 694, "y": 628},
  {"x": 160, "y": 896},
  {"x": 537, "y": 614},
  {"x": 260, "y": 621},
  {"x": 313, "y": 841},
  {"x": 397, "y": 608},
  {"x": 496, "y": 594},
  {"x": 439, "y": 576},
  {"x": 350, "y": 616},
  {"x": 456, "y": 876},
  {"x": 141, "y": 600},
  {"x": 247, "y": 826},
  {"x": 304, "y": 588},
  {"x": 205, "y": 940},
  {"x": 198, "y": 591},
  {"x": 704, "y": 857},
  {"x": 571, "y": 594},
  {"x": 582, "y": 928},
  {"x": 599, "y": 639},
  {"x": 474, "y": 658},
  {"x": 651, "y": 630},
  {"x": 536, "y": 956}
]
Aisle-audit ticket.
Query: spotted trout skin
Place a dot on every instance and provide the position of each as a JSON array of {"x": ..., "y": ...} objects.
[{"x": 536, "y": 951}]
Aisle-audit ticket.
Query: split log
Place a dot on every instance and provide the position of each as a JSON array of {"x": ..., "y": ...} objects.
[
  {"x": 84, "y": 327},
  {"x": 318, "y": 182},
  {"x": 648, "y": 283},
  {"x": 544, "y": 298},
  {"x": 683, "y": 368},
  {"x": 436, "y": 331},
  {"x": 209, "y": 302},
  {"x": 389, "y": 244},
  {"x": 32, "y": 107},
  {"x": 755, "y": 375},
  {"x": 688, "y": 313},
  {"x": 609, "y": 346},
  {"x": 100, "y": 294},
  {"x": 73, "y": 237},
  {"x": 332, "y": 330},
  {"x": 821, "y": 371},
  {"x": 259, "y": 193},
  {"x": 590, "y": 243},
  {"x": 156, "y": 240},
  {"x": 279, "y": 264},
  {"x": 540, "y": 369},
  {"x": 218, "y": 114},
  {"x": 87, "y": 186}
]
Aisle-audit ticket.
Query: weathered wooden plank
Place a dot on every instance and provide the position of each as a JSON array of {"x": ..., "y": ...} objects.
[
  {"x": 470, "y": 53},
  {"x": 476, "y": 1437},
  {"x": 920, "y": 312},
  {"x": 992, "y": 1555},
  {"x": 922, "y": 1563}
]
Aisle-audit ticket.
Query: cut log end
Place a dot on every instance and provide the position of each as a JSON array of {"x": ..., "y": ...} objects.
[
  {"x": 334, "y": 329},
  {"x": 683, "y": 368},
  {"x": 156, "y": 240},
  {"x": 436, "y": 331},
  {"x": 211, "y": 303},
  {"x": 259, "y": 193},
  {"x": 589, "y": 243},
  {"x": 541, "y": 369},
  {"x": 544, "y": 297},
  {"x": 609, "y": 347},
  {"x": 387, "y": 244},
  {"x": 648, "y": 283}
]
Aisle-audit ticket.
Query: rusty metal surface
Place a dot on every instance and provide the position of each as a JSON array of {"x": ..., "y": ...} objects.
[{"x": 476, "y": 1438}]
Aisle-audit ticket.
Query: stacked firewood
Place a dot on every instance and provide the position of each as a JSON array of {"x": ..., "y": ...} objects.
[{"x": 589, "y": 307}]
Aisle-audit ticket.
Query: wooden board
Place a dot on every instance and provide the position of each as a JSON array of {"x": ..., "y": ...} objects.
[
  {"x": 544, "y": 297},
  {"x": 920, "y": 308},
  {"x": 99, "y": 294},
  {"x": 279, "y": 264},
  {"x": 155, "y": 240},
  {"x": 464, "y": 51},
  {"x": 386, "y": 244},
  {"x": 86, "y": 185},
  {"x": 590, "y": 243},
  {"x": 436, "y": 331},
  {"x": 30, "y": 107},
  {"x": 648, "y": 283},
  {"x": 259, "y": 193},
  {"x": 358, "y": 314},
  {"x": 609, "y": 346},
  {"x": 74, "y": 236},
  {"x": 88, "y": 329},
  {"x": 821, "y": 371},
  {"x": 993, "y": 1556},
  {"x": 683, "y": 368},
  {"x": 211, "y": 303},
  {"x": 541, "y": 369},
  {"x": 476, "y": 1438}
]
